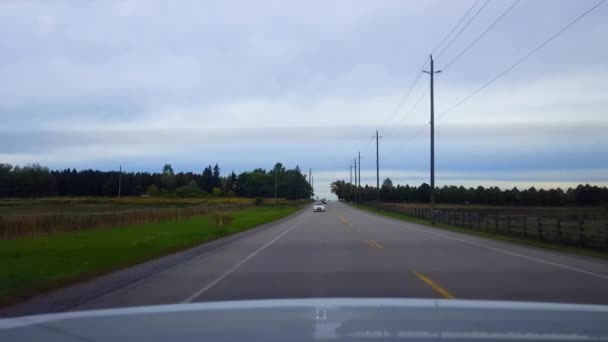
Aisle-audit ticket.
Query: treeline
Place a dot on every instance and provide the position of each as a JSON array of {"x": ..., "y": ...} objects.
[
  {"x": 581, "y": 195},
  {"x": 39, "y": 181}
]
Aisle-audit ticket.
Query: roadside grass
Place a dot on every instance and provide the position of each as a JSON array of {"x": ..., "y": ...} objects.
[
  {"x": 514, "y": 239},
  {"x": 33, "y": 265}
]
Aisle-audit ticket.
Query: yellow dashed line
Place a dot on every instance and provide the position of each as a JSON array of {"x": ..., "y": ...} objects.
[
  {"x": 440, "y": 290},
  {"x": 378, "y": 245},
  {"x": 343, "y": 220},
  {"x": 374, "y": 244}
]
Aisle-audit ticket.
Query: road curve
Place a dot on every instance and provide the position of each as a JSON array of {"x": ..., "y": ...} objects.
[{"x": 344, "y": 252}]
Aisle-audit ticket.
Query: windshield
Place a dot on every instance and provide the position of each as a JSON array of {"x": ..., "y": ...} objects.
[{"x": 161, "y": 152}]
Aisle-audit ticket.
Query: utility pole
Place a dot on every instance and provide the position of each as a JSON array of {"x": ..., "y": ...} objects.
[
  {"x": 355, "y": 179},
  {"x": 377, "y": 168},
  {"x": 309, "y": 175},
  {"x": 359, "y": 187},
  {"x": 356, "y": 186},
  {"x": 119, "y": 180},
  {"x": 351, "y": 179},
  {"x": 432, "y": 73}
]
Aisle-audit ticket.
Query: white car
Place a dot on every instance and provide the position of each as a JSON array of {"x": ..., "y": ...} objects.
[{"x": 319, "y": 206}]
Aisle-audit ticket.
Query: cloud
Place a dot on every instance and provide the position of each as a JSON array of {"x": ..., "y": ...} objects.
[{"x": 246, "y": 85}]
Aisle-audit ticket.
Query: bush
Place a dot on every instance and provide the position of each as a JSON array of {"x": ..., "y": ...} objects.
[
  {"x": 152, "y": 190},
  {"x": 190, "y": 191},
  {"x": 258, "y": 201},
  {"x": 217, "y": 192}
]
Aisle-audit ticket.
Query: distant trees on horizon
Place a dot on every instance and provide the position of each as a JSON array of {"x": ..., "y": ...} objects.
[
  {"x": 581, "y": 195},
  {"x": 39, "y": 181}
]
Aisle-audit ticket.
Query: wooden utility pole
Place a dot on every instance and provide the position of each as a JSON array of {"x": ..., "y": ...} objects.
[
  {"x": 377, "y": 168},
  {"x": 432, "y": 73},
  {"x": 359, "y": 187}
]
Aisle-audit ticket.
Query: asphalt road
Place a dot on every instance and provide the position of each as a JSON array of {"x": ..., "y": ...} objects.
[{"x": 344, "y": 252}]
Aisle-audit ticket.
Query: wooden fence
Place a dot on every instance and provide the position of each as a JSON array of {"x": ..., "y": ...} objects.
[
  {"x": 585, "y": 229},
  {"x": 15, "y": 226}
]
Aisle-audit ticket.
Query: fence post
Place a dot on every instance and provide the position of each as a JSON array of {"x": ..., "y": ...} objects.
[
  {"x": 496, "y": 227},
  {"x": 525, "y": 225},
  {"x": 487, "y": 222},
  {"x": 509, "y": 224},
  {"x": 581, "y": 229},
  {"x": 540, "y": 228},
  {"x": 558, "y": 224}
]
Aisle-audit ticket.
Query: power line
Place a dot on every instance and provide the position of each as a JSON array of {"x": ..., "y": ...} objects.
[
  {"x": 455, "y": 26},
  {"x": 409, "y": 90},
  {"x": 481, "y": 36},
  {"x": 519, "y": 61},
  {"x": 414, "y": 106},
  {"x": 406, "y": 95},
  {"x": 463, "y": 28}
]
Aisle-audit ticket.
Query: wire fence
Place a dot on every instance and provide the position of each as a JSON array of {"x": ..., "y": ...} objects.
[{"x": 585, "y": 228}]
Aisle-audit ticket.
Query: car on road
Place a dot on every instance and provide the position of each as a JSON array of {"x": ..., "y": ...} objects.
[{"x": 319, "y": 207}]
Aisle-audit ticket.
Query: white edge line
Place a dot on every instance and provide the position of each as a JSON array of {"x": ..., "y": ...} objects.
[
  {"x": 425, "y": 230},
  {"x": 227, "y": 273}
]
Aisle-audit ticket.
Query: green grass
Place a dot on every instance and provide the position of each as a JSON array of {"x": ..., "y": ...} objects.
[
  {"x": 513, "y": 239},
  {"x": 32, "y": 265}
]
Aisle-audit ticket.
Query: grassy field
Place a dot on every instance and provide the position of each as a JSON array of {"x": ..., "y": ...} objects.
[
  {"x": 514, "y": 239},
  {"x": 41, "y": 216},
  {"x": 90, "y": 205},
  {"x": 33, "y": 265}
]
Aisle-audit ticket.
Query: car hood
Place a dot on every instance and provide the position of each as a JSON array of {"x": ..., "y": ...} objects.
[{"x": 319, "y": 319}]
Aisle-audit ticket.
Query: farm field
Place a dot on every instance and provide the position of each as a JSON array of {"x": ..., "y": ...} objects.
[
  {"x": 33, "y": 217},
  {"x": 35, "y": 264}
]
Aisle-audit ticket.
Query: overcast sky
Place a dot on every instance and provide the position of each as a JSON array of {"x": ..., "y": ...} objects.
[{"x": 248, "y": 83}]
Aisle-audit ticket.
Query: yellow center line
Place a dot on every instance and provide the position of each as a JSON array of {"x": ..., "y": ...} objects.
[
  {"x": 440, "y": 290},
  {"x": 369, "y": 243},
  {"x": 378, "y": 245},
  {"x": 343, "y": 220}
]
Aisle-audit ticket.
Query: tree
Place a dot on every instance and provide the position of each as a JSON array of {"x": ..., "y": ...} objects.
[
  {"x": 340, "y": 189},
  {"x": 207, "y": 179},
  {"x": 231, "y": 183},
  {"x": 388, "y": 184},
  {"x": 215, "y": 177},
  {"x": 168, "y": 177}
]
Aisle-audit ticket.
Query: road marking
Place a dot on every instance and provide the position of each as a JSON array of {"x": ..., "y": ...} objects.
[
  {"x": 426, "y": 230},
  {"x": 227, "y": 273},
  {"x": 440, "y": 290},
  {"x": 377, "y": 244},
  {"x": 374, "y": 244},
  {"x": 343, "y": 220}
]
